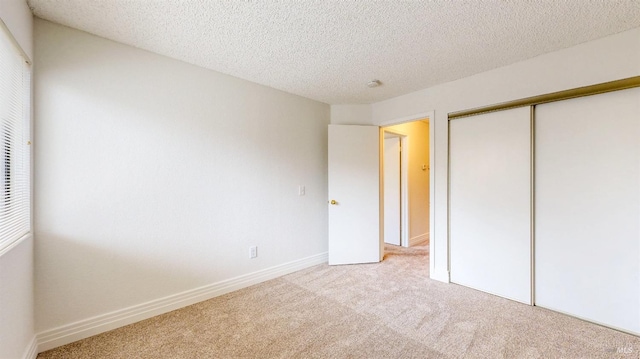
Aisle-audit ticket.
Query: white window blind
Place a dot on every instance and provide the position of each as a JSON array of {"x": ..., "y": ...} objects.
[{"x": 15, "y": 89}]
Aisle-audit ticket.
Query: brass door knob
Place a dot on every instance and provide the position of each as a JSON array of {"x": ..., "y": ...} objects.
[{"x": 333, "y": 202}]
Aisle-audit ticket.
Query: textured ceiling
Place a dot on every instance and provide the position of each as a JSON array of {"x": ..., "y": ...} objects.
[{"x": 328, "y": 50}]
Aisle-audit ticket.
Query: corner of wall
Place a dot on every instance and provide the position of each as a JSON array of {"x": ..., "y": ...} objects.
[{"x": 32, "y": 350}]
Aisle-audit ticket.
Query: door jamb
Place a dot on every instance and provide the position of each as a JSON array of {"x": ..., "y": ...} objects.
[{"x": 430, "y": 116}]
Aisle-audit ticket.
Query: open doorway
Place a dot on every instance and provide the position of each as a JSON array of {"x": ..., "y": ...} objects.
[
  {"x": 406, "y": 183},
  {"x": 395, "y": 188},
  {"x": 355, "y": 188}
]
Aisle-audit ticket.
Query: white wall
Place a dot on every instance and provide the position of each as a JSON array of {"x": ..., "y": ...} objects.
[
  {"x": 607, "y": 59},
  {"x": 16, "y": 265},
  {"x": 351, "y": 114},
  {"x": 17, "y": 16},
  {"x": 154, "y": 177},
  {"x": 17, "y": 332}
]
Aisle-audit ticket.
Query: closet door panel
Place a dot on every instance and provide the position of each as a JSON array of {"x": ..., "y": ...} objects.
[
  {"x": 587, "y": 208},
  {"x": 490, "y": 191}
]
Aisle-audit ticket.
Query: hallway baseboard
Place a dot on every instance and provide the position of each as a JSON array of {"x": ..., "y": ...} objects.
[{"x": 418, "y": 240}]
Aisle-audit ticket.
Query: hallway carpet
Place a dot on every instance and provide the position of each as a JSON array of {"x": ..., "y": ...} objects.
[{"x": 385, "y": 310}]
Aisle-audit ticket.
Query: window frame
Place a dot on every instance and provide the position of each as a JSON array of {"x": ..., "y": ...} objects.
[{"x": 15, "y": 141}]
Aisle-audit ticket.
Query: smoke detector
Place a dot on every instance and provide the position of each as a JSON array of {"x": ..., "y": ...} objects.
[{"x": 374, "y": 83}]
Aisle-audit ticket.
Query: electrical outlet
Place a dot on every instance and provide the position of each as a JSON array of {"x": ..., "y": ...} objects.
[{"x": 253, "y": 252}]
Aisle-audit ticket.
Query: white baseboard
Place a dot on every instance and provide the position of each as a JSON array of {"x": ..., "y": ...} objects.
[
  {"x": 69, "y": 333},
  {"x": 32, "y": 350},
  {"x": 417, "y": 239}
]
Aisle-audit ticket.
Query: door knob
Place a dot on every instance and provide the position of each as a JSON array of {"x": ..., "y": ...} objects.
[{"x": 333, "y": 202}]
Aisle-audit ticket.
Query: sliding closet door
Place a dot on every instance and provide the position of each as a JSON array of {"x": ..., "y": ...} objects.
[
  {"x": 490, "y": 192},
  {"x": 587, "y": 200}
]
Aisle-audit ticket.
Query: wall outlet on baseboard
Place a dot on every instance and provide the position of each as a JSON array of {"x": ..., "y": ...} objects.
[{"x": 253, "y": 251}]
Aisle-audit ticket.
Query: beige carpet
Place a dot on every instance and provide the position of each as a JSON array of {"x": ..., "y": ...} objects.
[{"x": 385, "y": 310}]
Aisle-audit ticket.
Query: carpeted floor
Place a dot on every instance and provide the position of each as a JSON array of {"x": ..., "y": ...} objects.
[{"x": 385, "y": 310}]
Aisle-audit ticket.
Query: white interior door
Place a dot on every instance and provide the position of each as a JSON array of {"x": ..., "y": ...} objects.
[
  {"x": 354, "y": 190},
  {"x": 490, "y": 203},
  {"x": 587, "y": 192},
  {"x": 392, "y": 190}
]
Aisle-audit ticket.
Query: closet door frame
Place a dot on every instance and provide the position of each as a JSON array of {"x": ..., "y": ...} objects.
[
  {"x": 617, "y": 85},
  {"x": 605, "y": 87}
]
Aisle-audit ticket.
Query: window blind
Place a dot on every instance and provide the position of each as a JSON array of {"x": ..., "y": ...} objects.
[{"x": 15, "y": 90}]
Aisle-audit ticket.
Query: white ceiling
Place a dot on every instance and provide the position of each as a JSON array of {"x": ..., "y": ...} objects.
[{"x": 328, "y": 50}]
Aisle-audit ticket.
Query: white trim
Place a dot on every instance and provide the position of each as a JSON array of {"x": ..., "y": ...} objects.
[
  {"x": 69, "y": 333},
  {"x": 11, "y": 245},
  {"x": 404, "y": 187},
  {"x": 432, "y": 202},
  {"x": 32, "y": 350},
  {"x": 410, "y": 118},
  {"x": 418, "y": 239},
  {"x": 14, "y": 41}
]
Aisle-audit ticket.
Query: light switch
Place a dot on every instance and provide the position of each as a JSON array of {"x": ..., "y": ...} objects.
[{"x": 301, "y": 190}]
